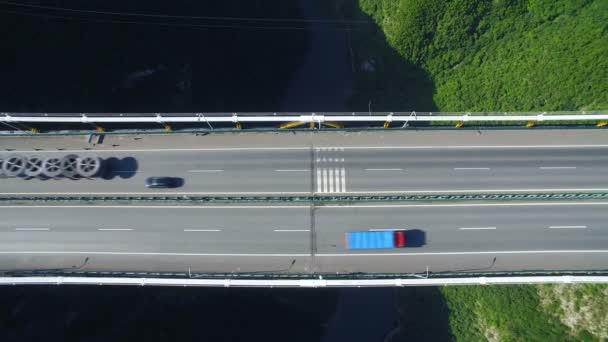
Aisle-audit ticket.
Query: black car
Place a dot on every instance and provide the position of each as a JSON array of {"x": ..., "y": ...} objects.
[{"x": 161, "y": 182}]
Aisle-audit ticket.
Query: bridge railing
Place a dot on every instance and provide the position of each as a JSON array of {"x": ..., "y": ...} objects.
[
  {"x": 303, "y": 283},
  {"x": 403, "y": 117}
]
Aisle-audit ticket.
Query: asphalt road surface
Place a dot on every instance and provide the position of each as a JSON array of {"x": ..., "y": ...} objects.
[
  {"x": 284, "y": 238},
  {"x": 301, "y": 170}
]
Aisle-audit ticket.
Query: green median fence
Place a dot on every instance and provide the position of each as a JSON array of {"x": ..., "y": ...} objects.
[{"x": 319, "y": 200}]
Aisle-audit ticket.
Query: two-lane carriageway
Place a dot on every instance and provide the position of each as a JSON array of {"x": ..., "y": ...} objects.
[
  {"x": 460, "y": 236},
  {"x": 302, "y": 170}
]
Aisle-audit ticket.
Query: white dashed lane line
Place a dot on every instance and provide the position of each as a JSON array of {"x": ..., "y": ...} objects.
[
  {"x": 115, "y": 229},
  {"x": 35, "y": 229},
  {"x": 478, "y": 228}
]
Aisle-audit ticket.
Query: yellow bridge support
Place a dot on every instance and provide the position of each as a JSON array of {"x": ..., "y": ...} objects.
[
  {"x": 333, "y": 124},
  {"x": 291, "y": 124}
]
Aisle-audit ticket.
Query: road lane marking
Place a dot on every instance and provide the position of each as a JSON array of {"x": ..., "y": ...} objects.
[
  {"x": 319, "y": 181},
  {"x": 292, "y": 230},
  {"x": 298, "y": 170},
  {"x": 568, "y": 227},
  {"x": 330, "y": 177},
  {"x": 477, "y": 228},
  {"x": 324, "y": 180},
  {"x": 115, "y": 229},
  {"x": 580, "y": 251},
  {"x": 164, "y": 193},
  {"x": 409, "y": 147},
  {"x": 343, "y": 179},
  {"x": 205, "y": 171},
  {"x": 531, "y": 204},
  {"x": 32, "y": 228},
  {"x": 202, "y": 230},
  {"x": 156, "y": 207},
  {"x": 470, "y": 168},
  {"x": 556, "y": 167},
  {"x": 155, "y": 254},
  {"x": 383, "y": 169}
]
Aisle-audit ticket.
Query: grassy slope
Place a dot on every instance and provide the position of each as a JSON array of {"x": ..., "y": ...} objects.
[
  {"x": 503, "y": 55},
  {"x": 528, "y": 313}
]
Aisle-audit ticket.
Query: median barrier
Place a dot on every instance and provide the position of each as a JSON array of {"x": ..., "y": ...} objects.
[{"x": 316, "y": 199}]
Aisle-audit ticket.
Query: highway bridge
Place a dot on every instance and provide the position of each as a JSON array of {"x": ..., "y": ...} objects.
[{"x": 306, "y": 238}]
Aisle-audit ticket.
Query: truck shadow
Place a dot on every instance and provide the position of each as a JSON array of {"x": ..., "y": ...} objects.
[
  {"x": 415, "y": 238},
  {"x": 116, "y": 167}
]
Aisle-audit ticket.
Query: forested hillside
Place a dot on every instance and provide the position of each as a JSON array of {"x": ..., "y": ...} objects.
[{"x": 503, "y": 55}]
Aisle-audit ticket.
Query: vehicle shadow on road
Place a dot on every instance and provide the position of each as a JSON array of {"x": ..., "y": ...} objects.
[
  {"x": 415, "y": 238},
  {"x": 118, "y": 167}
]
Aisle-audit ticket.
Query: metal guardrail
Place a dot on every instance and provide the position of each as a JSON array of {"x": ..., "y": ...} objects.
[{"x": 318, "y": 199}]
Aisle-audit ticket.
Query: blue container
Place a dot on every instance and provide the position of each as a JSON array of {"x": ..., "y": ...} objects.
[{"x": 370, "y": 240}]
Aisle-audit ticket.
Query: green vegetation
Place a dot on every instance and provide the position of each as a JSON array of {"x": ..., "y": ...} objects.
[
  {"x": 583, "y": 309},
  {"x": 528, "y": 313},
  {"x": 501, "y": 55}
]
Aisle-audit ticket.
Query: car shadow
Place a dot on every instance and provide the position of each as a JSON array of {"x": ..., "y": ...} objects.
[
  {"x": 415, "y": 238},
  {"x": 118, "y": 167}
]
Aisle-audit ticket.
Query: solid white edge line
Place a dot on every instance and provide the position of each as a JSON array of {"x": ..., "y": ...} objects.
[
  {"x": 300, "y": 170},
  {"x": 477, "y": 228},
  {"x": 202, "y": 230},
  {"x": 114, "y": 229},
  {"x": 22, "y": 229},
  {"x": 156, "y": 207},
  {"x": 219, "y": 149},
  {"x": 602, "y": 251},
  {"x": 463, "y": 205},
  {"x": 580, "y": 251},
  {"x": 567, "y": 227},
  {"x": 383, "y": 169},
  {"x": 291, "y": 230},
  {"x": 153, "y": 254}
]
